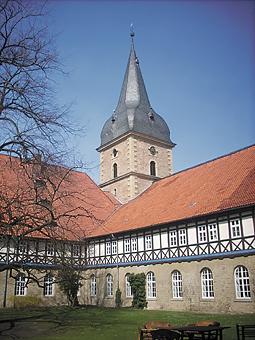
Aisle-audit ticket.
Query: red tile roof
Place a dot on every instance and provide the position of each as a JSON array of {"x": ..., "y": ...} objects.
[
  {"x": 79, "y": 204},
  {"x": 221, "y": 184}
]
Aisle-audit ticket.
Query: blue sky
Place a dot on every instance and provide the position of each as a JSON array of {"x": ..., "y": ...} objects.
[{"x": 197, "y": 59}]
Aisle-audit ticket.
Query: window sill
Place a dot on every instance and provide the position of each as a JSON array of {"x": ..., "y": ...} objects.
[
  {"x": 176, "y": 299},
  {"x": 246, "y": 300},
  {"x": 151, "y": 299}
]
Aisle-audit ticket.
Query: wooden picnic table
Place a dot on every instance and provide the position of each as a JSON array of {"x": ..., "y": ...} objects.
[{"x": 191, "y": 332}]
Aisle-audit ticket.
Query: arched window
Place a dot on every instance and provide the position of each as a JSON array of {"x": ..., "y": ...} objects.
[
  {"x": 48, "y": 285},
  {"x": 109, "y": 285},
  {"x": 207, "y": 284},
  {"x": 115, "y": 170},
  {"x": 152, "y": 168},
  {"x": 177, "y": 284},
  {"x": 93, "y": 286},
  {"x": 128, "y": 287},
  {"x": 151, "y": 285},
  {"x": 242, "y": 283},
  {"x": 20, "y": 285}
]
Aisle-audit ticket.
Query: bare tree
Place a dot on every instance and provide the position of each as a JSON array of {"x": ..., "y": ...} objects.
[
  {"x": 30, "y": 121},
  {"x": 46, "y": 212},
  {"x": 38, "y": 198}
]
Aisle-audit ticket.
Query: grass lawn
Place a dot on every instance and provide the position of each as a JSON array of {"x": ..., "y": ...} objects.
[{"x": 102, "y": 323}]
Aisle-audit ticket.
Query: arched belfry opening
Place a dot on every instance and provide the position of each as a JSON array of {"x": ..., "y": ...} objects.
[
  {"x": 152, "y": 168},
  {"x": 115, "y": 170}
]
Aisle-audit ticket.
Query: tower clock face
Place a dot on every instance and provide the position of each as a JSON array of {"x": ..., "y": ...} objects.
[{"x": 152, "y": 150}]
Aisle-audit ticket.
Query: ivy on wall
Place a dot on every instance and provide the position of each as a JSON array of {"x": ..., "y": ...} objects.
[{"x": 137, "y": 283}]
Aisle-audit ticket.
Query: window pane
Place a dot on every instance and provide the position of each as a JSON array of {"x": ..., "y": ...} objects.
[
  {"x": 128, "y": 287},
  {"x": 207, "y": 283},
  {"x": 48, "y": 285},
  {"x": 213, "y": 232},
  {"x": 93, "y": 286},
  {"x": 177, "y": 284},
  {"x": 235, "y": 228},
  {"x": 20, "y": 285},
  {"x": 151, "y": 285},
  {"x": 109, "y": 285},
  {"x": 182, "y": 237},
  {"x": 242, "y": 283},
  {"x": 148, "y": 242}
]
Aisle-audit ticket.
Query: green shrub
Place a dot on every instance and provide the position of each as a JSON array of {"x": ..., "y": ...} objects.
[
  {"x": 118, "y": 300},
  {"x": 137, "y": 283}
]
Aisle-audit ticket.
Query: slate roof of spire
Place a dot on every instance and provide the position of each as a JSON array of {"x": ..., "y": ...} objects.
[
  {"x": 213, "y": 187},
  {"x": 134, "y": 112}
]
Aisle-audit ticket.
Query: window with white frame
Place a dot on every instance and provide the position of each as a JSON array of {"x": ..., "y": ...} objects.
[
  {"x": 91, "y": 250},
  {"x": 235, "y": 228},
  {"x": 182, "y": 237},
  {"x": 202, "y": 233},
  {"x": 93, "y": 286},
  {"x": 207, "y": 284},
  {"x": 151, "y": 285},
  {"x": 22, "y": 247},
  {"x": 108, "y": 248},
  {"x": 20, "y": 285},
  {"x": 213, "y": 232},
  {"x": 128, "y": 287},
  {"x": 127, "y": 245},
  {"x": 49, "y": 249},
  {"x": 173, "y": 238},
  {"x": 76, "y": 250},
  {"x": 177, "y": 284},
  {"x": 134, "y": 244},
  {"x": 242, "y": 283},
  {"x": 114, "y": 247},
  {"x": 109, "y": 285},
  {"x": 48, "y": 285},
  {"x": 148, "y": 242}
]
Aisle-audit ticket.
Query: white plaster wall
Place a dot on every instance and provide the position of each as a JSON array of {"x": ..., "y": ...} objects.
[
  {"x": 223, "y": 230},
  {"x": 248, "y": 227},
  {"x": 192, "y": 236},
  {"x": 156, "y": 241}
]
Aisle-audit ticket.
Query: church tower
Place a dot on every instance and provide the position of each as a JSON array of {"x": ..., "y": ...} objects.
[{"x": 136, "y": 148}]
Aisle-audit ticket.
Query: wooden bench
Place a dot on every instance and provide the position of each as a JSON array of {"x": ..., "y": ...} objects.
[{"x": 245, "y": 332}]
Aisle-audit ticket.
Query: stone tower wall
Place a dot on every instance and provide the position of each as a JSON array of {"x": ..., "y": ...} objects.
[{"x": 133, "y": 163}]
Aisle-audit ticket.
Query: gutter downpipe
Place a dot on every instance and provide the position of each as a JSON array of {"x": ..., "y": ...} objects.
[
  {"x": 6, "y": 274},
  {"x": 117, "y": 263}
]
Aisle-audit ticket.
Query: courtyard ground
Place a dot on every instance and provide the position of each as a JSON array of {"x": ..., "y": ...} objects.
[{"x": 100, "y": 323}]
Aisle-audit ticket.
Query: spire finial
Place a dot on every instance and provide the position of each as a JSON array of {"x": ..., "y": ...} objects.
[{"x": 132, "y": 32}]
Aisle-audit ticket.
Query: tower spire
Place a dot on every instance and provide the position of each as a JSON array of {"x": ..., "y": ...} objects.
[{"x": 133, "y": 111}]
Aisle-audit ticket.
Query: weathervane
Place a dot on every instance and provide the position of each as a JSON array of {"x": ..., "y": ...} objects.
[{"x": 132, "y": 33}]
